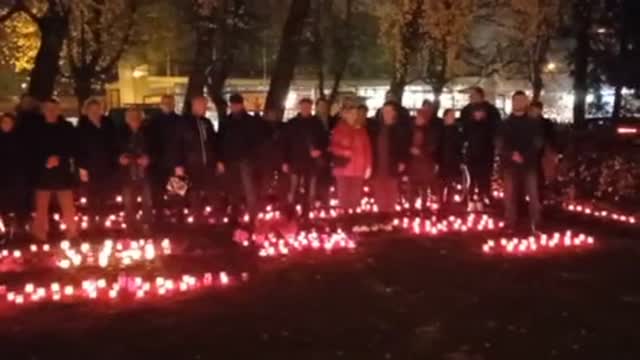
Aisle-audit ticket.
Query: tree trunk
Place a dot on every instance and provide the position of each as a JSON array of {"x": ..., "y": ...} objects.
[
  {"x": 54, "y": 29},
  {"x": 203, "y": 59},
  {"x": 624, "y": 35},
  {"x": 398, "y": 83},
  {"x": 617, "y": 103},
  {"x": 82, "y": 90},
  {"x": 583, "y": 11},
  {"x": 437, "y": 95},
  {"x": 288, "y": 55},
  {"x": 537, "y": 84}
]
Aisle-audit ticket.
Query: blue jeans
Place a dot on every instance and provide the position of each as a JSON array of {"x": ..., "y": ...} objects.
[{"x": 525, "y": 179}]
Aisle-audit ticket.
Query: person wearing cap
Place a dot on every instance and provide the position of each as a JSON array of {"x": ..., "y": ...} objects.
[
  {"x": 240, "y": 136},
  {"x": 480, "y": 121},
  {"x": 305, "y": 144}
]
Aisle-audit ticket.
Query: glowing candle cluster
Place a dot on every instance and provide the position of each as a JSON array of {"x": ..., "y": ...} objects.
[
  {"x": 122, "y": 287},
  {"x": 274, "y": 245},
  {"x": 436, "y": 227},
  {"x": 538, "y": 244},
  {"x": 120, "y": 253},
  {"x": 590, "y": 211}
]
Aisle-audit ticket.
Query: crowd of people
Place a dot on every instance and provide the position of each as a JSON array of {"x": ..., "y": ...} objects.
[{"x": 250, "y": 160}]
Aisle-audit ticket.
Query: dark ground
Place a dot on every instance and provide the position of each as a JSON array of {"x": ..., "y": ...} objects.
[{"x": 393, "y": 298}]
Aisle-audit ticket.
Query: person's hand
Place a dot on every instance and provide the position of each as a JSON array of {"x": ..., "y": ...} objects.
[
  {"x": 84, "y": 175},
  {"x": 517, "y": 158},
  {"x": 401, "y": 167},
  {"x": 179, "y": 171},
  {"x": 367, "y": 173},
  {"x": 144, "y": 161},
  {"x": 53, "y": 161},
  {"x": 315, "y": 153},
  {"x": 285, "y": 168},
  {"x": 415, "y": 151},
  {"x": 220, "y": 168},
  {"x": 124, "y": 160}
]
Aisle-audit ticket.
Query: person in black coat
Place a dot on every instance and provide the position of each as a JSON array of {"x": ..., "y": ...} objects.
[
  {"x": 195, "y": 154},
  {"x": 271, "y": 157},
  {"x": 134, "y": 177},
  {"x": 390, "y": 142},
  {"x": 162, "y": 131},
  {"x": 450, "y": 154},
  {"x": 96, "y": 156},
  {"x": 55, "y": 172},
  {"x": 240, "y": 138},
  {"x": 425, "y": 138},
  {"x": 480, "y": 121},
  {"x": 14, "y": 211},
  {"x": 329, "y": 122},
  {"x": 305, "y": 146}
]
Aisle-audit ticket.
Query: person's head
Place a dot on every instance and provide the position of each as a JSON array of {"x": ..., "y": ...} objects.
[
  {"x": 422, "y": 118},
  {"x": 7, "y": 123},
  {"x": 168, "y": 103},
  {"x": 322, "y": 107},
  {"x": 349, "y": 114},
  {"x": 449, "y": 117},
  {"x": 134, "y": 118},
  {"x": 519, "y": 102},
  {"x": 306, "y": 107},
  {"x": 199, "y": 105},
  {"x": 27, "y": 103},
  {"x": 536, "y": 109},
  {"x": 51, "y": 110},
  {"x": 363, "y": 113},
  {"x": 389, "y": 113},
  {"x": 93, "y": 109},
  {"x": 236, "y": 103},
  {"x": 476, "y": 95}
]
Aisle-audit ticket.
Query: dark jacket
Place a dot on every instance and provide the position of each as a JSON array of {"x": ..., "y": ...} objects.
[
  {"x": 524, "y": 135},
  {"x": 97, "y": 149},
  {"x": 271, "y": 152},
  {"x": 13, "y": 160},
  {"x": 57, "y": 139},
  {"x": 27, "y": 125},
  {"x": 240, "y": 137},
  {"x": 301, "y": 135},
  {"x": 134, "y": 145},
  {"x": 195, "y": 146},
  {"x": 480, "y": 136},
  {"x": 399, "y": 144},
  {"x": 450, "y": 151},
  {"x": 161, "y": 132},
  {"x": 426, "y": 139},
  {"x": 329, "y": 124}
]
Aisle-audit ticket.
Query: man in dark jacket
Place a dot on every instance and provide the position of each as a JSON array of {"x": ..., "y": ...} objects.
[
  {"x": 449, "y": 154},
  {"x": 240, "y": 138},
  {"x": 271, "y": 157},
  {"x": 329, "y": 122},
  {"x": 162, "y": 131},
  {"x": 480, "y": 121},
  {"x": 96, "y": 156},
  {"x": 133, "y": 159},
  {"x": 522, "y": 141},
  {"x": 425, "y": 138},
  {"x": 55, "y": 175},
  {"x": 390, "y": 143},
  {"x": 195, "y": 153},
  {"x": 305, "y": 145},
  {"x": 14, "y": 211}
]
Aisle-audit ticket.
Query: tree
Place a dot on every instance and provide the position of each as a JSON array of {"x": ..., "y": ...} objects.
[
  {"x": 532, "y": 26},
  {"x": 583, "y": 20},
  {"x": 21, "y": 40},
  {"x": 290, "y": 47},
  {"x": 401, "y": 33},
  {"x": 100, "y": 31},
  {"x": 203, "y": 12}
]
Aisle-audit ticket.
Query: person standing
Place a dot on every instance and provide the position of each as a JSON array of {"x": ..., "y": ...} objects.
[
  {"x": 450, "y": 155},
  {"x": 55, "y": 175},
  {"x": 305, "y": 144},
  {"x": 133, "y": 160},
  {"x": 329, "y": 122},
  {"x": 162, "y": 131},
  {"x": 549, "y": 152},
  {"x": 14, "y": 211},
  {"x": 323, "y": 112},
  {"x": 390, "y": 147},
  {"x": 425, "y": 136},
  {"x": 480, "y": 122},
  {"x": 195, "y": 154},
  {"x": 351, "y": 149},
  {"x": 96, "y": 156},
  {"x": 270, "y": 159},
  {"x": 522, "y": 140},
  {"x": 240, "y": 138}
]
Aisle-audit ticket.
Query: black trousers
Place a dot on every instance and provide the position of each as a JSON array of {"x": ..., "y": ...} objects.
[{"x": 480, "y": 173}]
